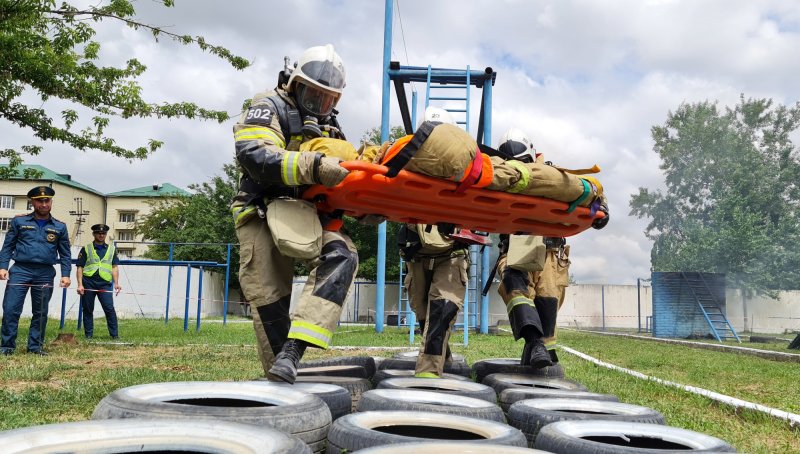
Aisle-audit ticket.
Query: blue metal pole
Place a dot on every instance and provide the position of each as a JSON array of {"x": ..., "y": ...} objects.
[
  {"x": 63, "y": 309},
  {"x": 199, "y": 298},
  {"x": 414, "y": 109},
  {"x": 227, "y": 286},
  {"x": 487, "y": 140},
  {"x": 169, "y": 283},
  {"x": 186, "y": 306},
  {"x": 466, "y": 320},
  {"x": 412, "y": 325},
  {"x": 387, "y": 55}
]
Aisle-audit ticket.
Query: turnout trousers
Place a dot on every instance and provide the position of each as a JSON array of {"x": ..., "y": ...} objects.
[
  {"x": 436, "y": 293},
  {"x": 266, "y": 278},
  {"x": 534, "y": 297},
  {"x": 104, "y": 292},
  {"x": 21, "y": 277}
]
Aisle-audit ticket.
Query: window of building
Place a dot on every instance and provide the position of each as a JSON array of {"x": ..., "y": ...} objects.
[
  {"x": 29, "y": 206},
  {"x": 125, "y": 235},
  {"x": 7, "y": 201},
  {"x": 127, "y": 217},
  {"x": 5, "y": 223}
]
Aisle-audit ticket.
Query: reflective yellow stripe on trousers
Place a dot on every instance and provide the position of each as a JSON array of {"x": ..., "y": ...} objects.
[
  {"x": 517, "y": 300},
  {"x": 313, "y": 334}
]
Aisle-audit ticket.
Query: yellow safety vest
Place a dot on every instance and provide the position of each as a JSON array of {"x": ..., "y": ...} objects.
[{"x": 95, "y": 264}]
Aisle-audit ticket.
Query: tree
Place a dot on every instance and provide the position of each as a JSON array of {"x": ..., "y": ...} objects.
[
  {"x": 202, "y": 217},
  {"x": 732, "y": 195},
  {"x": 48, "y": 50},
  {"x": 365, "y": 237},
  {"x": 374, "y": 134}
]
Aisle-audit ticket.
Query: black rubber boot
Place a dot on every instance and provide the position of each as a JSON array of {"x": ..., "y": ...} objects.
[
  {"x": 535, "y": 354},
  {"x": 285, "y": 367}
]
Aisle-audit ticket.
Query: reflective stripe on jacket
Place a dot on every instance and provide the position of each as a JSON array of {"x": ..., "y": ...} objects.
[{"x": 94, "y": 264}]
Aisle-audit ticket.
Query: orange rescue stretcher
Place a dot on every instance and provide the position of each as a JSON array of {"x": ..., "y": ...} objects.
[{"x": 419, "y": 199}]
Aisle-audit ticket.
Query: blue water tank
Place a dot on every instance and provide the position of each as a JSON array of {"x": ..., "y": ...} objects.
[{"x": 676, "y": 313}]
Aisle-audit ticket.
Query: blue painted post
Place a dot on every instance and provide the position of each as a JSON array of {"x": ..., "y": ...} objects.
[
  {"x": 466, "y": 321},
  {"x": 199, "y": 298},
  {"x": 227, "y": 285},
  {"x": 412, "y": 325},
  {"x": 80, "y": 316},
  {"x": 186, "y": 306},
  {"x": 487, "y": 140},
  {"x": 63, "y": 309},
  {"x": 387, "y": 55},
  {"x": 169, "y": 283}
]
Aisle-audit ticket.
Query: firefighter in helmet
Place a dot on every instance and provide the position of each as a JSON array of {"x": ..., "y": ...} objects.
[
  {"x": 533, "y": 298},
  {"x": 268, "y": 136},
  {"x": 436, "y": 281}
]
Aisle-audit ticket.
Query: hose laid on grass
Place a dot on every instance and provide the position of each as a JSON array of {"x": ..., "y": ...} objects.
[{"x": 793, "y": 418}]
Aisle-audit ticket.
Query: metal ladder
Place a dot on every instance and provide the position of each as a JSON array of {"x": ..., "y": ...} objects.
[
  {"x": 450, "y": 96},
  {"x": 709, "y": 307}
]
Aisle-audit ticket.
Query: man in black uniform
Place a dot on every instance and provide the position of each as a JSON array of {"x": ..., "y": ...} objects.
[{"x": 98, "y": 275}]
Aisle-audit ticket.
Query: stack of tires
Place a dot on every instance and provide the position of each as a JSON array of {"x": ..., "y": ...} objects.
[
  {"x": 372, "y": 404},
  {"x": 561, "y": 416},
  {"x": 451, "y": 414}
]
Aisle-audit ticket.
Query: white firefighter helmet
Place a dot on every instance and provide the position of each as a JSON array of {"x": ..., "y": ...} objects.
[
  {"x": 517, "y": 144},
  {"x": 438, "y": 114},
  {"x": 317, "y": 81}
]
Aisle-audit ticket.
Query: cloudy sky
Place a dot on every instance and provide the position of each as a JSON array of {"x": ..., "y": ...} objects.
[{"x": 586, "y": 79}]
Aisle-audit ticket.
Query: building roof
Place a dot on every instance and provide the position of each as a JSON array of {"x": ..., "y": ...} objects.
[
  {"x": 156, "y": 190},
  {"x": 49, "y": 175}
]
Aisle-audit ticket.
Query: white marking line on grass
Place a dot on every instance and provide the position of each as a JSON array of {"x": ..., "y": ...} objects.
[{"x": 793, "y": 418}]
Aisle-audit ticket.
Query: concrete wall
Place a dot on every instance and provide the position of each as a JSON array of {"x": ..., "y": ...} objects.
[{"x": 586, "y": 306}]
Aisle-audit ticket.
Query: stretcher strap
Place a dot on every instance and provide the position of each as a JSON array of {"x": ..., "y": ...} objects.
[
  {"x": 586, "y": 191},
  {"x": 474, "y": 173},
  {"x": 398, "y": 161}
]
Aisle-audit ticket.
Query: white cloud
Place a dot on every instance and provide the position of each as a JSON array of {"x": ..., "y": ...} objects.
[{"x": 587, "y": 80}]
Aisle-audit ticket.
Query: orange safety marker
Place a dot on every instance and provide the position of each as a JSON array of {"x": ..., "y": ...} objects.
[{"x": 418, "y": 199}]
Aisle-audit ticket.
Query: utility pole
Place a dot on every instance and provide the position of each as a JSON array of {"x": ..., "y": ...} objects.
[{"x": 80, "y": 213}]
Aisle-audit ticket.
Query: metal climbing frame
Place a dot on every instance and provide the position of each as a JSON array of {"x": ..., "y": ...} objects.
[
  {"x": 393, "y": 71},
  {"x": 452, "y": 83}
]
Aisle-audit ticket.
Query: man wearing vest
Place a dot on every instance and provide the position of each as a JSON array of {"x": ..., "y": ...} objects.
[
  {"x": 275, "y": 172},
  {"x": 35, "y": 242},
  {"x": 98, "y": 275}
]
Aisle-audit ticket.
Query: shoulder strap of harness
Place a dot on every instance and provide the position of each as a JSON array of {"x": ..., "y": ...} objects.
[
  {"x": 288, "y": 116},
  {"x": 398, "y": 161}
]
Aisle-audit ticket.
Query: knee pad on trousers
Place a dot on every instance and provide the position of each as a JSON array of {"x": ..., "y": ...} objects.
[
  {"x": 547, "y": 307},
  {"x": 275, "y": 319},
  {"x": 524, "y": 317},
  {"x": 335, "y": 273},
  {"x": 442, "y": 312},
  {"x": 515, "y": 280}
]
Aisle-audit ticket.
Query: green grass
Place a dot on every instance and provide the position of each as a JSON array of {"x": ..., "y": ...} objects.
[{"x": 68, "y": 384}]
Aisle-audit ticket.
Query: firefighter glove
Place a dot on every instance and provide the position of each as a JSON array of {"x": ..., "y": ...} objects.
[
  {"x": 600, "y": 223},
  {"x": 329, "y": 172}
]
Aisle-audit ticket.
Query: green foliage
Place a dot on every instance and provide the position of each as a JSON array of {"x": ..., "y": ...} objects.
[
  {"x": 365, "y": 237},
  {"x": 47, "y": 49},
  {"x": 374, "y": 134},
  {"x": 732, "y": 195},
  {"x": 203, "y": 217}
]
